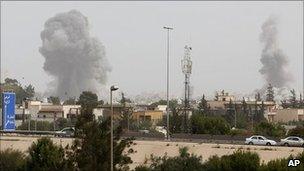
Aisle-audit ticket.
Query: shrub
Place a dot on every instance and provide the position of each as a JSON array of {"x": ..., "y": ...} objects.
[
  {"x": 297, "y": 131},
  {"x": 142, "y": 168},
  {"x": 45, "y": 155},
  {"x": 269, "y": 129},
  {"x": 12, "y": 160},
  {"x": 282, "y": 164},
  {"x": 209, "y": 125},
  {"x": 240, "y": 132},
  {"x": 41, "y": 126},
  {"x": 184, "y": 161},
  {"x": 238, "y": 161}
]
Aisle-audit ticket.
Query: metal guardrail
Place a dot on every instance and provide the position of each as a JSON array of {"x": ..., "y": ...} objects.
[
  {"x": 206, "y": 138},
  {"x": 27, "y": 132}
]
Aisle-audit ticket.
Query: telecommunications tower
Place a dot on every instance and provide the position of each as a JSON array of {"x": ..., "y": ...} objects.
[{"x": 186, "y": 69}]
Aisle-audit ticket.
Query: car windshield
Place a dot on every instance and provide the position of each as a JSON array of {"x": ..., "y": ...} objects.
[
  {"x": 262, "y": 138},
  {"x": 67, "y": 129}
]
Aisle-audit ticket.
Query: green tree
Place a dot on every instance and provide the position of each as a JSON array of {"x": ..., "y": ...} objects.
[
  {"x": 209, "y": 125},
  {"x": 244, "y": 107},
  {"x": 301, "y": 102},
  {"x": 216, "y": 96},
  {"x": 259, "y": 117},
  {"x": 176, "y": 120},
  {"x": 45, "y": 155},
  {"x": 203, "y": 106},
  {"x": 284, "y": 104},
  {"x": 258, "y": 97},
  {"x": 29, "y": 91},
  {"x": 269, "y": 129},
  {"x": 88, "y": 101},
  {"x": 14, "y": 86},
  {"x": 62, "y": 123},
  {"x": 269, "y": 93},
  {"x": 126, "y": 113},
  {"x": 175, "y": 116},
  {"x": 70, "y": 101},
  {"x": 297, "y": 131},
  {"x": 230, "y": 113},
  {"x": 293, "y": 99},
  {"x": 13, "y": 160},
  {"x": 91, "y": 149},
  {"x": 54, "y": 100}
]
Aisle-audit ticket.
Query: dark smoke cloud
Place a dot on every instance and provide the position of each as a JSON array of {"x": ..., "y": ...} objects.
[
  {"x": 273, "y": 59},
  {"x": 75, "y": 59}
]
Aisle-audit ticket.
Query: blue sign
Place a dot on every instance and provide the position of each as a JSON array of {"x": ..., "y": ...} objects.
[{"x": 8, "y": 111}]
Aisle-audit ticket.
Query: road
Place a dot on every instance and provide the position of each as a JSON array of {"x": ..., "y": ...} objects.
[{"x": 144, "y": 148}]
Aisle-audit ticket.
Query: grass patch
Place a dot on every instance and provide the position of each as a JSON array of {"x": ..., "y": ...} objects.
[{"x": 268, "y": 149}]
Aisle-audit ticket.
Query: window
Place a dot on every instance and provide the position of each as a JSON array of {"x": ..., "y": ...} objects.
[
  {"x": 261, "y": 138},
  {"x": 295, "y": 139},
  {"x": 254, "y": 138}
]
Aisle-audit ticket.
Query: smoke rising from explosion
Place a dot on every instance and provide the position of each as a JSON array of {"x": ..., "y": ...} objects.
[
  {"x": 273, "y": 59},
  {"x": 75, "y": 59}
]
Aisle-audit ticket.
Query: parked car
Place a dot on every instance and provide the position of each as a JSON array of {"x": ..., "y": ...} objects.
[
  {"x": 144, "y": 131},
  {"x": 259, "y": 140},
  {"x": 161, "y": 129},
  {"x": 292, "y": 141},
  {"x": 66, "y": 132}
]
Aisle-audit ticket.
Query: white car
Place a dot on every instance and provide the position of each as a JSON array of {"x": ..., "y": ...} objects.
[
  {"x": 259, "y": 140},
  {"x": 144, "y": 131},
  {"x": 292, "y": 141}
]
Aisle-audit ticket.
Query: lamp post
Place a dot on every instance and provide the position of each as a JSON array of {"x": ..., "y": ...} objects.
[
  {"x": 167, "y": 109},
  {"x": 113, "y": 88}
]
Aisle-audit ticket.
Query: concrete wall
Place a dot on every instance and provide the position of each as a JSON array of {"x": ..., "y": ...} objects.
[
  {"x": 71, "y": 109},
  {"x": 286, "y": 115},
  {"x": 154, "y": 115}
]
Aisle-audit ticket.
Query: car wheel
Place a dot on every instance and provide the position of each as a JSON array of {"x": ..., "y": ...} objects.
[
  {"x": 250, "y": 143},
  {"x": 268, "y": 144},
  {"x": 286, "y": 144}
]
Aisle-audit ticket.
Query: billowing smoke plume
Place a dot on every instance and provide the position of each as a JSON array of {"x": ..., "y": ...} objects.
[
  {"x": 274, "y": 61},
  {"x": 75, "y": 59}
]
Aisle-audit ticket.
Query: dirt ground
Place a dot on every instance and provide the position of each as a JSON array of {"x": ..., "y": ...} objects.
[{"x": 144, "y": 149}]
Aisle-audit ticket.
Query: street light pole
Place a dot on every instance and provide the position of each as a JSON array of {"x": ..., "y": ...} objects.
[
  {"x": 167, "y": 109},
  {"x": 113, "y": 88}
]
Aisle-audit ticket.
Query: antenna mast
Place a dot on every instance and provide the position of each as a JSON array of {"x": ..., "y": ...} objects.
[{"x": 186, "y": 69}]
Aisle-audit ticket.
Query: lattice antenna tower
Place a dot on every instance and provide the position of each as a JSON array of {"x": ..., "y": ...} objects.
[{"x": 186, "y": 69}]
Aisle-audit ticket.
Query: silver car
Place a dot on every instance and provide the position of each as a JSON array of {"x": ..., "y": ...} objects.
[
  {"x": 66, "y": 132},
  {"x": 292, "y": 141},
  {"x": 259, "y": 140}
]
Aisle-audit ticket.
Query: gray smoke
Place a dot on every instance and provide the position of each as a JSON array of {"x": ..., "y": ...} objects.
[
  {"x": 75, "y": 59},
  {"x": 274, "y": 61}
]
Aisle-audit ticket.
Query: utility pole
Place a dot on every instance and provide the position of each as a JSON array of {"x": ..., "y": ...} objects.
[
  {"x": 167, "y": 109},
  {"x": 113, "y": 88},
  {"x": 234, "y": 114}
]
